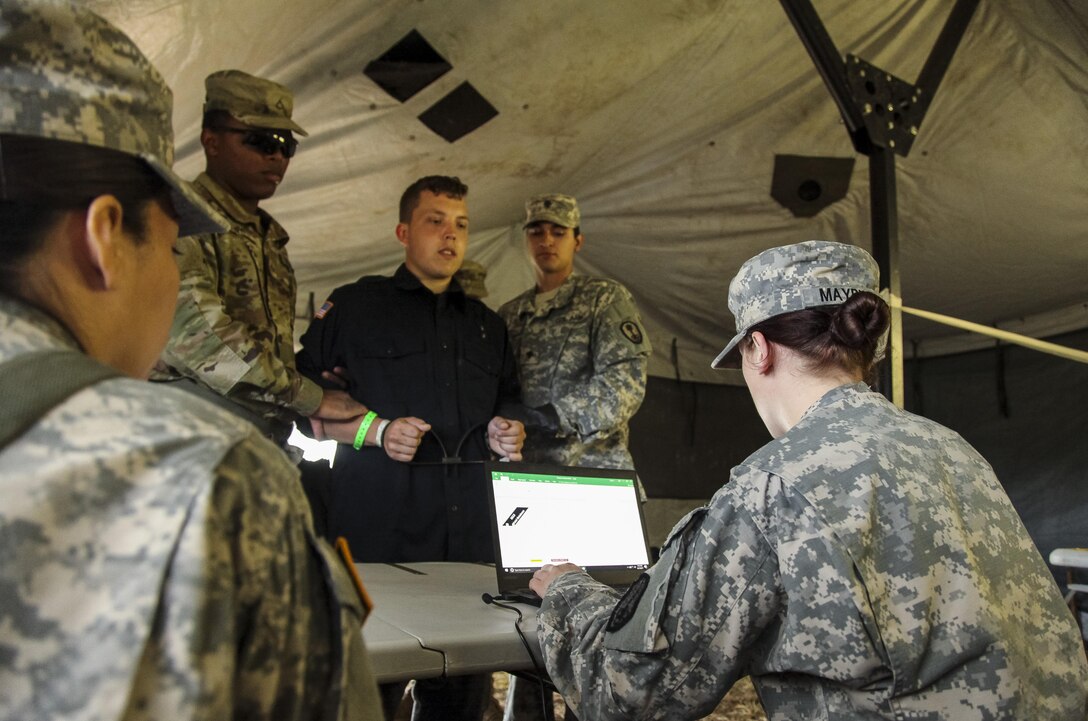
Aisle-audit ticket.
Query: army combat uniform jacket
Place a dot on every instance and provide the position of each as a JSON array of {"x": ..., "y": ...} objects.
[
  {"x": 233, "y": 332},
  {"x": 585, "y": 353},
  {"x": 158, "y": 562},
  {"x": 865, "y": 565}
]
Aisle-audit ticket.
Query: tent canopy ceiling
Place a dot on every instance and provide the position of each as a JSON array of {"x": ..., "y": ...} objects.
[{"x": 664, "y": 119}]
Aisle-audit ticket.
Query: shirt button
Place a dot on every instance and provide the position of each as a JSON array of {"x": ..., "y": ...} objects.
[{"x": 453, "y": 508}]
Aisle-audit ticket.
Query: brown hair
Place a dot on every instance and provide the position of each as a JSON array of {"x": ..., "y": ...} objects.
[
  {"x": 437, "y": 184},
  {"x": 845, "y": 336},
  {"x": 42, "y": 178}
]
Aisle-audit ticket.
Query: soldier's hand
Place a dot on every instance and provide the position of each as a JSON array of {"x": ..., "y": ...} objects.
[
  {"x": 338, "y": 406},
  {"x": 548, "y": 573},
  {"x": 506, "y": 437},
  {"x": 318, "y": 428},
  {"x": 403, "y": 436},
  {"x": 338, "y": 375}
]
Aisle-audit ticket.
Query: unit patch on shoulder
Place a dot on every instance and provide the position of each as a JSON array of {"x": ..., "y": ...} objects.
[
  {"x": 626, "y": 606},
  {"x": 631, "y": 331},
  {"x": 325, "y": 308}
]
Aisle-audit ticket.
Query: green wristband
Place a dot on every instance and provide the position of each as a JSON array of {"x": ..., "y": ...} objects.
[{"x": 360, "y": 437}]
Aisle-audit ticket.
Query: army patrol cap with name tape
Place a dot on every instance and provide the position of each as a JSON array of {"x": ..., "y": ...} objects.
[
  {"x": 249, "y": 99},
  {"x": 67, "y": 74},
  {"x": 553, "y": 208},
  {"x": 795, "y": 277}
]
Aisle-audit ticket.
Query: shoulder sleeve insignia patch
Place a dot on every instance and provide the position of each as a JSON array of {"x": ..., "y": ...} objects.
[
  {"x": 626, "y": 606},
  {"x": 631, "y": 331},
  {"x": 325, "y": 308}
]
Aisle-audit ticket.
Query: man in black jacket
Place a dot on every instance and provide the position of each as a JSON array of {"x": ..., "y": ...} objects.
[{"x": 435, "y": 369}]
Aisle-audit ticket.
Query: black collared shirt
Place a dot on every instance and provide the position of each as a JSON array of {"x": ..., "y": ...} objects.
[{"x": 444, "y": 358}]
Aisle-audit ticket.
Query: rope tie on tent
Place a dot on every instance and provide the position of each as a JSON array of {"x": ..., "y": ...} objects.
[{"x": 1026, "y": 341}]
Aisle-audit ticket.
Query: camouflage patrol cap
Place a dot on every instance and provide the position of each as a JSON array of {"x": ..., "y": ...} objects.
[
  {"x": 67, "y": 74},
  {"x": 251, "y": 100},
  {"x": 553, "y": 208},
  {"x": 794, "y": 277},
  {"x": 472, "y": 277}
]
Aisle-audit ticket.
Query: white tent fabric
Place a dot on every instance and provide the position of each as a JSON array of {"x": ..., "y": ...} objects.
[{"x": 664, "y": 118}]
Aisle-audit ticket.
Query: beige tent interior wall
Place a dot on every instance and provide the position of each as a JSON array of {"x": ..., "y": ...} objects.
[{"x": 664, "y": 119}]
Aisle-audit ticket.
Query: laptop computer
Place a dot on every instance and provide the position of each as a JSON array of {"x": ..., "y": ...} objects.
[{"x": 556, "y": 514}]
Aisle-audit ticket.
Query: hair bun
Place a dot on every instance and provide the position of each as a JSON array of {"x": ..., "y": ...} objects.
[{"x": 861, "y": 321}]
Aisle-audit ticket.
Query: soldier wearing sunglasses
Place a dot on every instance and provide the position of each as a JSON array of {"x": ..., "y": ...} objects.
[{"x": 232, "y": 341}]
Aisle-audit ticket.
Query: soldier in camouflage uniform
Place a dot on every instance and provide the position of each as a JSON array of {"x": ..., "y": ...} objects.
[
  {"x": 580, "y": 347},
  {"x": 157, "y": 560},
  {"x": 233, "y": 337},
  {"x": 864, "y": 564}
]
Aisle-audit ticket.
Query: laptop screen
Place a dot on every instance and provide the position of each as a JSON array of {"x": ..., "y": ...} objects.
[{"x": 549, "y": 514}]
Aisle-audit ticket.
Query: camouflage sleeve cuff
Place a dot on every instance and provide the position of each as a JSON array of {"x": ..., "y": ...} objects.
[
  {"x": 569, "y": 590},
  {"x": 309, "y": 397},
  {"x": 565, "y": 427}
]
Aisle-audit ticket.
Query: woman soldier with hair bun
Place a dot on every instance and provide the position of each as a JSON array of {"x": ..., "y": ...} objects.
[{"x": 864, "y": 564}]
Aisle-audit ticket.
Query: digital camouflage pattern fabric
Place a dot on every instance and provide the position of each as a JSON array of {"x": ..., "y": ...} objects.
[
  {"x": 585, "y": 353},
  {"x": 865, "y": 565},
  {"x": 795, "y": 277},
  {"x": 88, "y": 82},
  {"x": 158, "y": 561},
  {"x": 67, "y": 74},
  {"x": 553, "y": 208},
  {"x": 233, "y": 329},
  {"x": 472, "y": 278}
]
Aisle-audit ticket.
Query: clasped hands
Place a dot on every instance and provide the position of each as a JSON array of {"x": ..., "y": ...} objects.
[{"x": 339, "y": 417}]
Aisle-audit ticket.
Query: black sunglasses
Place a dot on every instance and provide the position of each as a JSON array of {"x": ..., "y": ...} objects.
[{"x": 265, "y": 142}]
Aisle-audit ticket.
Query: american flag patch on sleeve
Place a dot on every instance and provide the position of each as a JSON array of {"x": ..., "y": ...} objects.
[{"x": 325, "y": 308}]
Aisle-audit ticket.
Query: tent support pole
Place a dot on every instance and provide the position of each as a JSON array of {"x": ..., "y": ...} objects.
[
  {"x": 884, "y": 219},
  {"x": 884, "y": 214},
  {"x": 821, "y": 48},
  {"x": 940, "y": 57}
]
